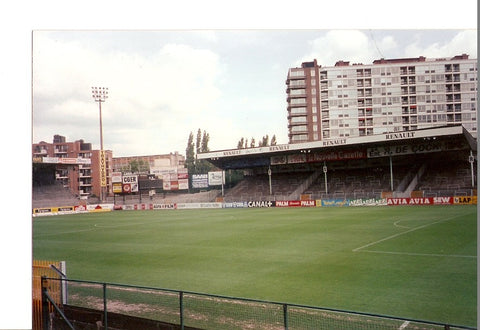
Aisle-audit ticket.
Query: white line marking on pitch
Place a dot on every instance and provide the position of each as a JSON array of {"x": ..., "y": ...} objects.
[
  {"x": 421, "y": 254},
  {"x": 65, "y": 232},
  {"x": 397, "y": 225},
  {"x": 404, "y": 325},
  {"x": 402, "y": 233},
  {"x": 117, "y": 226}
]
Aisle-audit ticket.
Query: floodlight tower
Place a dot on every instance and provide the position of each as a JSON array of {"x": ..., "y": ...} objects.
[{"x": 100, "y": 94}]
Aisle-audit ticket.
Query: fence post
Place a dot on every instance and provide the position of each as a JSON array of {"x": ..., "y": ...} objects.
[
  {"x": 181, "y": 310},
  {"x": 45, "y": 309},
  {"x": 105, "y": 312},
  {"x": 285, "y": 316}
]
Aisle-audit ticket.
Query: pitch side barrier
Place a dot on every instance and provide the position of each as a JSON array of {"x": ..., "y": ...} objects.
[
  {"x": 456, "y": 200},
  {"x": 460, "y": 200},
  {"x": 44, "y": 211},
  {"x": 112, "y": 305}
]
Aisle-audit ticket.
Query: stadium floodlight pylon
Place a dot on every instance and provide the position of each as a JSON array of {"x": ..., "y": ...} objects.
[{"x": 100, "y": 94}]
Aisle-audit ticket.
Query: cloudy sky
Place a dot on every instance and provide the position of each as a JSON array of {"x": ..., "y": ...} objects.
[{"x": 164, "y": 84}]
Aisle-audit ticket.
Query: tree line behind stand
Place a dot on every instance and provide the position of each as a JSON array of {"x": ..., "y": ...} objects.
[
  {"x": 202, "y": 166},
  {"x": 243, "y": 143}
]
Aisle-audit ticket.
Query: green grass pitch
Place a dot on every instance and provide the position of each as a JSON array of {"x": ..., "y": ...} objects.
[{"x": 411, "y": 261}]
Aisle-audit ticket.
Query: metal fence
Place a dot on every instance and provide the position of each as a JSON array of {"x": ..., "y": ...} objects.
[{"x": 191, "y": 310}]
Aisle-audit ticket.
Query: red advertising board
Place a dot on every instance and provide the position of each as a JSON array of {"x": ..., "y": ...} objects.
[
  {"x": 182, "y": 176},
  {"x": 305, "y": 203},
  {"x": 174, "y": 185},
  {"x": 127, "y": 188}
]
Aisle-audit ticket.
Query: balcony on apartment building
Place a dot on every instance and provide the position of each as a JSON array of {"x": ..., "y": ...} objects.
[
  {"x": 61, "y": 150},
  {"x": 39, "y": 151}
]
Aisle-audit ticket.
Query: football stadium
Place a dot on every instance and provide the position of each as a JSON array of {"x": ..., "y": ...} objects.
[
  {"x": 365, "y": 219},
  {"x": 369, "y": 232}
]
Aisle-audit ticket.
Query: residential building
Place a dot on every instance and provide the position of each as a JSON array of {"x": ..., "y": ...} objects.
[
  {"x": 389, "y": 95},
  {"x": 77, "y": 166}
]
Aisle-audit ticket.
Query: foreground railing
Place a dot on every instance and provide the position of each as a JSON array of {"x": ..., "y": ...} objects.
[{"x": 183, "y": 309}]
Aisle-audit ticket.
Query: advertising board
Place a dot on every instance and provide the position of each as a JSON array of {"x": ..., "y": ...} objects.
[
  {"x": 183, "y": 184},
  {"x": 103, "y": 169},
  {"x": 300, "y": 203},
  {"x": 63, "y": 160},
  {"x": 421, "y": 201},
  {"x": 200, "y": 180},
  {"x": 260, "y": 204},
  {"x": 116, "y": 177},
  {"x": 216, "y": 178},
  {"x": 235, "y": 205},
  {"x": 465, "y": 200},
  {"x": 117, "y": 187},
  {"x": 334, "y": 202},
  {"x": 130, "y": 183}
]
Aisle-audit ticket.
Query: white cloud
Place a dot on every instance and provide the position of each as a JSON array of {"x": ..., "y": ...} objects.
[
  {"x": 152, "y": 98},
  {"x": 361, "y": 47},
  {"x": 387, "y": 44},
  {"x": 463, "y": 42},
  {"x": 348, "y": 45}
]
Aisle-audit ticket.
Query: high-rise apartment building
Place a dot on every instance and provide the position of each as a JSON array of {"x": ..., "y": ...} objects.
[
  {"x": 77, "y": 166},
  {"x": 389, "y": 95}
]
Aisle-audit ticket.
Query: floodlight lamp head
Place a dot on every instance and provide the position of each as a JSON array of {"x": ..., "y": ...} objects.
[{"x": 100, "y": 93}]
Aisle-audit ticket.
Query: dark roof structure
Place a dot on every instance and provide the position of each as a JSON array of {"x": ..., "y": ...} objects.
[{"x": 395, "y": 144}]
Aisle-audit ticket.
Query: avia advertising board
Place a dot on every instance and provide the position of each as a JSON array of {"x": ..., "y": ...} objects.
[{"x": 421, "y": 201}]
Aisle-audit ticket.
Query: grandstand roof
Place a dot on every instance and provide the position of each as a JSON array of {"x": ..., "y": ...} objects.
[{"x": 438, "y": 139}]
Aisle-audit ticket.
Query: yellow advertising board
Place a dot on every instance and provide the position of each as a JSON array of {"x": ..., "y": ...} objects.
[
  {"x": 103, "y": 169},
  {"x": 117, "y": 187},
  {"x": 465, "y": 200}
]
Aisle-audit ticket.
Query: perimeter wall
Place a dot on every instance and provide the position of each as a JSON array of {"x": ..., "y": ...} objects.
[{"x": 427, "y": 201}]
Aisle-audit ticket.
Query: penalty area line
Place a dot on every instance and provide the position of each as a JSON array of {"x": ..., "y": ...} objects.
[{"x": 420, "y": 254}]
